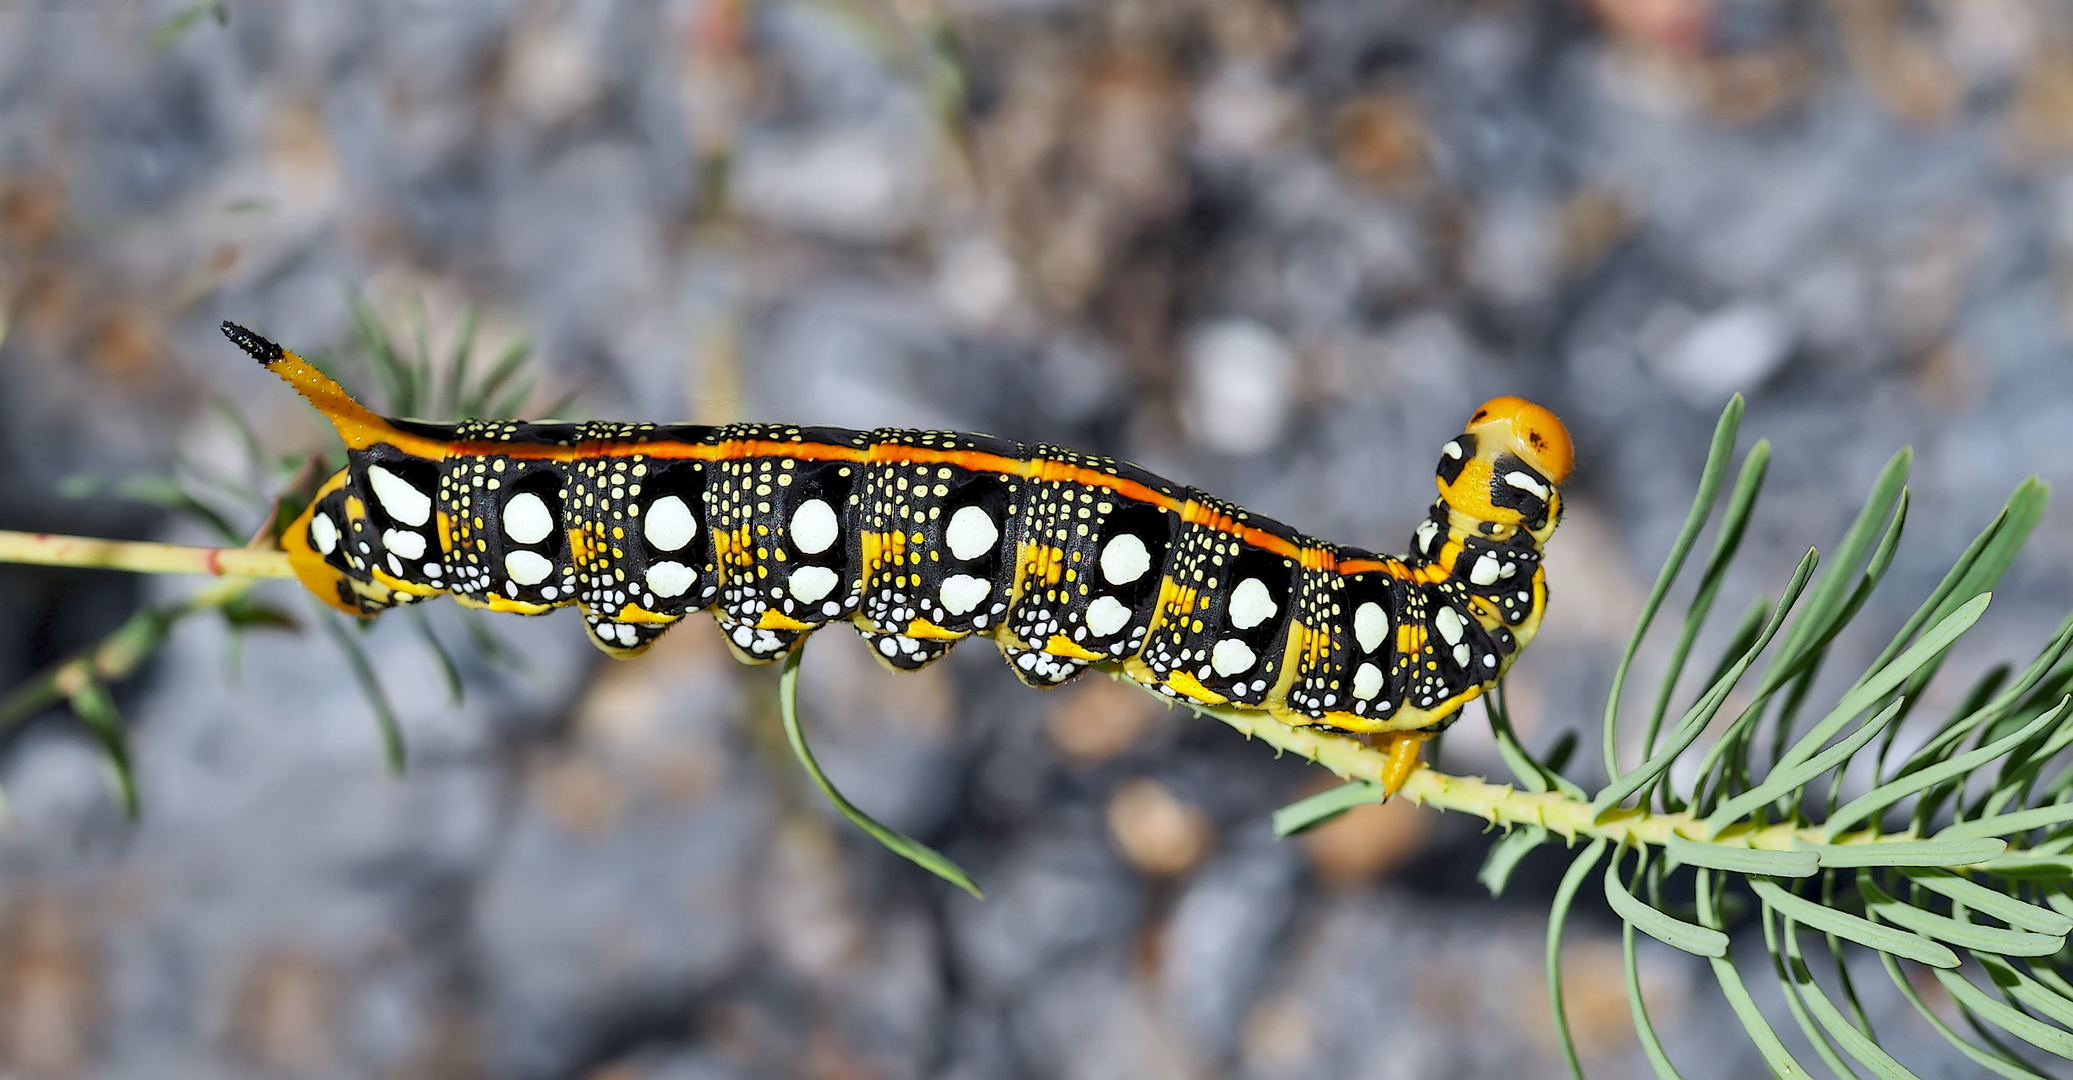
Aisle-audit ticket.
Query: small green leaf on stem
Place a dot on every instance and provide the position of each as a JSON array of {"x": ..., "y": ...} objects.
[
  {"x": 1842, "y": 924},
  {"x": 1671, "y": 931},
  {"x": 902, "y": 845},
  {"x": 1741, "y": 860},
  {"x": 1904, "y": 852},
  {"x": 1325, "y": 805},
  {"x": 1505, "y": 855}
]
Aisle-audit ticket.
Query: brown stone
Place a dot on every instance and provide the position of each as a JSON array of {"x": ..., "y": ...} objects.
[{"x": 1157, "y": 831}]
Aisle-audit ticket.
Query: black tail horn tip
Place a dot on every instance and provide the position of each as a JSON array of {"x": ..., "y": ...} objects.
[{"x": 260, "y": 349}]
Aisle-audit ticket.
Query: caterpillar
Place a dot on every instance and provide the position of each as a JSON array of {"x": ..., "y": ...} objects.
[{"x": 923, "y": 538}]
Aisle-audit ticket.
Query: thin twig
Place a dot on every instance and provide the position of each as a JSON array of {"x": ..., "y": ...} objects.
[
  {"x": 1502, "y": 804},
  {"x": 141, "y": 557}
]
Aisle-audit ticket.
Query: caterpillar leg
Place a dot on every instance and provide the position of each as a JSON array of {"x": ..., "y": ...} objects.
[
  {"x": 1403, "y": 748},
  {"x": 753, "y": 644},
  {"x": 1039, "y": 669},
  {"x": 623, "y": 640},
  {"x": 901, "y": 652}
]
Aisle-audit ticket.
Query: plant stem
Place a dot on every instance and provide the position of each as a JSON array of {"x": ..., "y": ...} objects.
[
  {"x": 117, "y": 657},
  {"x": 141, "y": 556},
  {"x": 1501, "y": 804}
]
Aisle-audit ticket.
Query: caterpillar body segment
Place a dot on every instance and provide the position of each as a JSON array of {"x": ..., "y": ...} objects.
[{"x": 922, "y": 538}]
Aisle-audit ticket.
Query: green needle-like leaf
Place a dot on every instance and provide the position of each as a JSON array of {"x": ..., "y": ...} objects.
[
  {"x": 96, "y": 709},
  {"x": 1702, "y": 713},
  {"x": 1987, "y": 901},
  {"x": 1505, "y": 855},
  {"x": 1795, "y": 1001},
  {"x": 1854, "y": 1042},
  {"x": 1885, "y": 679},
  {"x": 1785, "y": 864},
  {"x": 1766, "y": 1040},
  {"x": 1651, "y": 1046},
  {"x": 2009, "y": 1069},
  {"x": 1831, "y": 596},
  {"x": 2021, "y": 821},
  {"x": 902, "y": 845},
  {"x": 1962, "y": 934},
  {"x": 1671, "y": 931},
  {"x": 1845, "y": 925},
  {"x": 1785, "y": 781},
  {"x": 1317, "y": 809},
  {"x": 447, "y": 668},
  {"x": 2052, "y": 1003},
  {"x": 370, "y": 687},
  {"x": 1981, "y": 565},
  {"x": 1905, "y": 852},
  {"x": 2022, "y": 1025},
  {"x": 1871, "y": 802},
  {"x": 2030, "y": 866},
  {"x": 1558, "y": 913},
  {"x": 1733, "y": 525},
  {"x": 1717, "y": 458}
]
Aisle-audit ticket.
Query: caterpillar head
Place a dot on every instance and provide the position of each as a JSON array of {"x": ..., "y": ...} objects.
[{"x": 1504, "y": 468}]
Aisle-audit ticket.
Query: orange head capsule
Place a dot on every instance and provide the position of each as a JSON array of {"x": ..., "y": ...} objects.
[
  {"x": 1529, "y": 431},
  {"x": 1505, "y": 466}
]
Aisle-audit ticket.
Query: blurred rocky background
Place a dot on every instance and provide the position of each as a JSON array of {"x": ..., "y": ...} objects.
[{"x": 1278, "y": 251}]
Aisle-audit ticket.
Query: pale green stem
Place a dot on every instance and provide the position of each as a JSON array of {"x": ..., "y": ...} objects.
[
  {"x": 1502, "y": 804},
  {"x": 141, "y": 556}
]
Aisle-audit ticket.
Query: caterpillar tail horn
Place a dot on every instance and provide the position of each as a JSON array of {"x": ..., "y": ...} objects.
[{"x": 359, "y": 427}]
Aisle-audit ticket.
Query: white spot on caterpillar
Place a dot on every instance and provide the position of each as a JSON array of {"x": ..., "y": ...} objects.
[
  {"x": 1489, "y": 659},
  {"x": 1427, "y": 530},
  {"x": 814, "y": 528},
  {"x": 1367, "y": 682},
  {"x": 1106, "y": 615},
  {"x": 1452, "y": 449},
  {"x": 1448, "y": 622},
  {"x": 1124, "y": 560},
  {"x": 1484, "y": 572},
  {"x": 669, "y": 524},
  {"x": 324, "y": 534},
  {"x": 890, "y": 647},
  {"x": 406, "y": 504},
  {"x": 1230, "y": 657},
  {"x": 1370, "y": 626},
  {"x": 1526, "y": 483},
  {"x": 1461, "y": 654},
  {"x": 526, "y": 567},
  {"x": 410, "y": 545},
  {"x": 971, "y": 533},
  {"x": 963, "y": 592},
  {"x": 671, "y": 578},
  {"x": 1251, "y": 604},
  {"x": 810, "y": 583},
  {"x": 526, "y": 519}
]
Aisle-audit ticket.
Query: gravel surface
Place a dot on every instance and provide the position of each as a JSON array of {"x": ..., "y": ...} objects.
[{"x": 1275, "y": 251}]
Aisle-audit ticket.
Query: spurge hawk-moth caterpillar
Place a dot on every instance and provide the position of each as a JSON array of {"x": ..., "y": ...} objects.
[{"x": 922, "y": 538}]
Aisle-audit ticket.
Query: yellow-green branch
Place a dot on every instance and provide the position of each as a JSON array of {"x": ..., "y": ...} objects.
[
  {"x": 142, "y": 557},
  {"x": 1502, "y": 804}
]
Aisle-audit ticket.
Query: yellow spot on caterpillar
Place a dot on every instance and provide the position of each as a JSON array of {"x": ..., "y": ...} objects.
[
  {"x": 773, "y": 619},
  {"x": 928, "y": 631},
  {"x": 1060, "y": 645},
  {"x": 1187, "y": 686}
]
